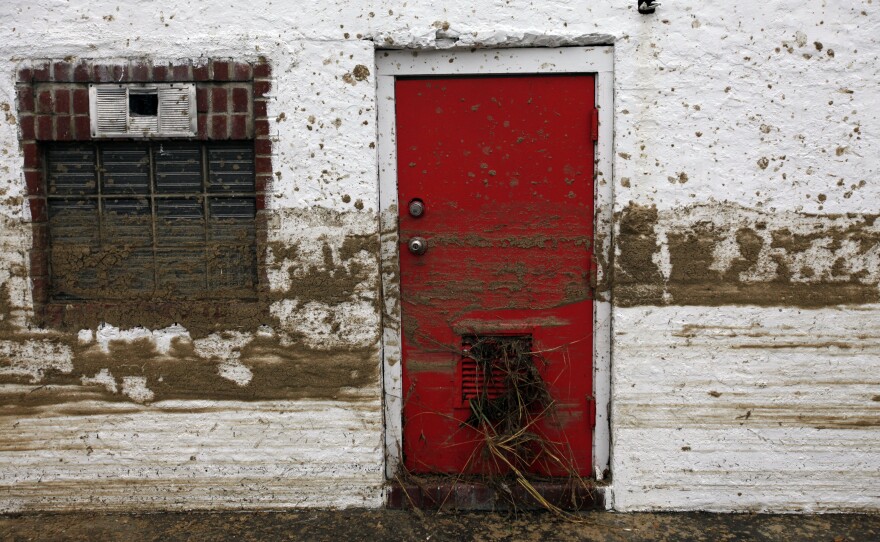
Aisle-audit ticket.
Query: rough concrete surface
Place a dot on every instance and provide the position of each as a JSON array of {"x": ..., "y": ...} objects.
[
  {"x": 333, "y": 525},
  {"x": 742, "y": 264}
]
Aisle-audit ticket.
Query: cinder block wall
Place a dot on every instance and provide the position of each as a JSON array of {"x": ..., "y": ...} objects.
[{"x": 745, "y": 373}]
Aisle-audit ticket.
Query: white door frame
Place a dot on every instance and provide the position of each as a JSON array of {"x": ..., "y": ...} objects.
[{"x": 598, "y": 61}]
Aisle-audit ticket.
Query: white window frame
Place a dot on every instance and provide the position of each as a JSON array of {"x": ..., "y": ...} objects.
[{"x": 598, "y": 61}]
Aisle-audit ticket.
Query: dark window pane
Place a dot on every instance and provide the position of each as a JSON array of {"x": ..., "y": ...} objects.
[
  {"x": 231, "y": 169},
  {"x": 232, "y": 270},
  {"x": 128, "y": 273},
  {"x": 232, "y": 220},
  {"x": 127, "y": 221},
  {"x": 108, "y": 242},
  {"x": 73, "y": 221},
  {"x": 232, "y": 257},
  {"x": 71, "y": 170},
  {"x": 178, "y": 168},
  {"x": 74, "y": 247},
  {"x": 126, "y": 169},
  {"x": 180, "y": 221},
  {"x": 74, "y": 272},
  {"x": 181, "y": 272},
  {"x": 232, "y": 207}
]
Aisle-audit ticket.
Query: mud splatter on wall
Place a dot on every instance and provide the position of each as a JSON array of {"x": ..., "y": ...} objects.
[
  {"x": 743, "y": 271},
  {"x": 727, "y": 254}
]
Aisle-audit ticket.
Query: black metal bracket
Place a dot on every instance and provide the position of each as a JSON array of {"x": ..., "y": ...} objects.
[{"x": 647, "y": 6}]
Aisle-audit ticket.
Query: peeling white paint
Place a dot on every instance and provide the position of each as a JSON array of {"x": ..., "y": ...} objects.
[
  {"x": 234, "y": 370},
  {"x": 33, "y": 359},
  {"x": 85, "y": 336},
  {"x": 161, "y": 338},
  {"x": 226, "y": 350},
  {"x": 136, "y": 388},
  {"x": 104, "y": 378}
]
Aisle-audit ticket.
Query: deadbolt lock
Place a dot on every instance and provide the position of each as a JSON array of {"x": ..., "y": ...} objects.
[
  {"x": 418, "y": 245},
  {"x": 416, "y": 208}
]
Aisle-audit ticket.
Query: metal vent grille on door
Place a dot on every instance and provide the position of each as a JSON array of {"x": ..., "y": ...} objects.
[
  {"x": 485, "y": 363},
  {"x": 130, "y": 111}
]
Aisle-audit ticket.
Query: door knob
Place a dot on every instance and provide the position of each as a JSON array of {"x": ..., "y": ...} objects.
[{"x": 418, "y": 245}]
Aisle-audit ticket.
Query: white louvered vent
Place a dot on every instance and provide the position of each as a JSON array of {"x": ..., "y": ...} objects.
[
  {"x": 110, "y": 110},
  {"x": 139, "y": 111},
  {"x": 176, "y": 110}
]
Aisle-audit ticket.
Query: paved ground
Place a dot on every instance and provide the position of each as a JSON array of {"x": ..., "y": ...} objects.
[{"x": 408, "y": 526}]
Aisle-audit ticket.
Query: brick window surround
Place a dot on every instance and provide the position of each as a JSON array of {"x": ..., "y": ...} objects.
[{"x": 52, "y": 99}]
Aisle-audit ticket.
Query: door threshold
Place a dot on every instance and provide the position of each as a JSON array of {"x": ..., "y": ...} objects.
[{"x": 456, "y": 493}]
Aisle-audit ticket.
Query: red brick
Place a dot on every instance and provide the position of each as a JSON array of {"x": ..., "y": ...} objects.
[
  {"x": 220, "y": 70},
  {"x": 201, "y": 72},
  {"x": 40, "y": 290},
  {"x": 40, "y": 237},
  {"x": 25, "y": 75},
  {"x": 61, "y": 72},
  {"x": 44, "y": 127},
  {"x": 239, "y": 127},
  {"x": 41, "y": 73},
  {"x": 160, "y": 73},
  {"x": 111, "y": 73},
  {"x": 218, "y": 100},
  {"x": 63, "y": 130},
  {"x": 261, "y": 88},
  {"x": 261, "y": 127},
  {"x": 260, "y": 202},
  {"x": 262, "y": 182},
  {"x": 263, "y": 69},
  {"x": 259, "y": 108},
  {"x": 263, "y": 146},
  {"x": 25, "y": 98},
  {"x": 240, "y": 100},
  {"x": 181, "y": 72},
  {"x": 140, "y": 72},
  {"x": 81, "y": 101},
  {"x": 33, "y": 178},
  {"x": 202, "y": 126},
  {"x": 53, "y": 314},
  {"x": 263, "y": 164},
  {"x": 218, "y": 127},
  {"x": 243, "y": 71},
  {"x": 82, "y": 73},
  {"x": 202, "y": 99},
  {"x": 44, "y": 102},
  {"x": 82, "y": 128},
  {"x": 31, "y": 154},
  {"x": 38, "y": 209},
  {"x": 62, "y": 100},
  {"x": 39, "y": 263},
  {"x": 26, "y": 124}
]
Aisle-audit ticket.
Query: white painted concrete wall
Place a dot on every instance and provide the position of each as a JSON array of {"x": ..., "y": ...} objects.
[
  {"x": 746, "y": 408},
  {"x": 739, "y": 97}
]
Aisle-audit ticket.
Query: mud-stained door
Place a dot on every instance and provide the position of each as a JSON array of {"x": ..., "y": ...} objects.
[{"x": 495, "y": 180}]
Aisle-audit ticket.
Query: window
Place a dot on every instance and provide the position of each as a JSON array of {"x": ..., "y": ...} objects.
[{"x": 151, "y": 221}]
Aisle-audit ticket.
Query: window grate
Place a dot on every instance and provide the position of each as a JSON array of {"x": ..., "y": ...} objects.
[{"x": 152, "y": 220}]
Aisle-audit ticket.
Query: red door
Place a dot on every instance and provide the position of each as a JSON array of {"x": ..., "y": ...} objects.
[{"x": 503, "y": 169}]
